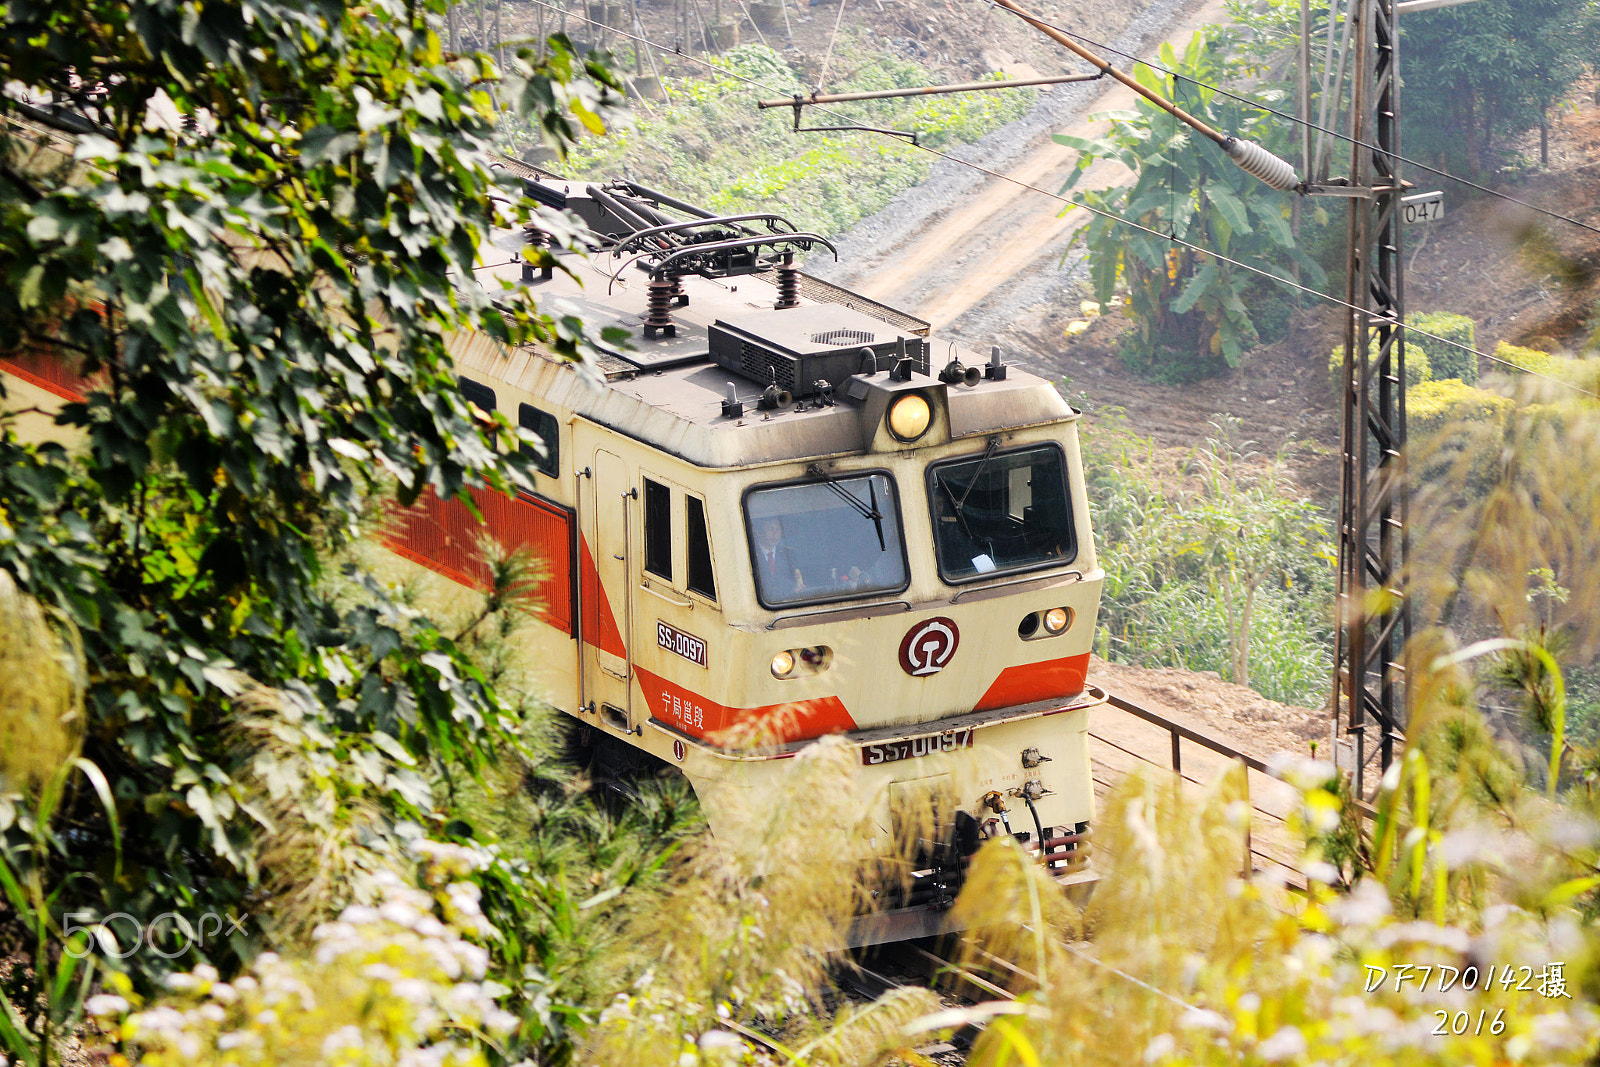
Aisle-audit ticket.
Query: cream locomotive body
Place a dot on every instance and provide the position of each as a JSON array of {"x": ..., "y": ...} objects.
[{"x": 773, "y": 523}]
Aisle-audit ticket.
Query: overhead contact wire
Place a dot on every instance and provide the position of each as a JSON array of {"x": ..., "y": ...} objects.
[
  {"x": 1253, "y": 270},
  {"x": 1308, "y": 123},
  {"x": 1098, "y": 211}
]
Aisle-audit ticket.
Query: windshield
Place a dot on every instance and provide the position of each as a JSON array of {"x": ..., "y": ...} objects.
[
  {"x": 1001, "y": 512},
  {"x": 826, "y": 540}
]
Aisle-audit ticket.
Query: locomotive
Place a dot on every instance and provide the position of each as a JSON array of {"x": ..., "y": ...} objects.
[{"x": 781, "y": 511}]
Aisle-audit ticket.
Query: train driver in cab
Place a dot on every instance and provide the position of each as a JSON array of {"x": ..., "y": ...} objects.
[{"x": 780, "y": 574}]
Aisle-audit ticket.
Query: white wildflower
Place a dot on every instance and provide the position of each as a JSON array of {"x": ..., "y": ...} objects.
[
  {"x": 1365, "y": 905},
  {"x": 1161, "y": 1047},
  {"x": 1286, "y": 1044},
  {"x": 1302, "y": 773},
  {"x": 105, "y": 1004}
]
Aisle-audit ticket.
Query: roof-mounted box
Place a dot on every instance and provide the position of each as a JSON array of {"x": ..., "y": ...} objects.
[{"x": 797, "y": 347}]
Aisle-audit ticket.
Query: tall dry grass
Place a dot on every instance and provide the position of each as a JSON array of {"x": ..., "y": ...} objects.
[{"x": 42, "y": 681}]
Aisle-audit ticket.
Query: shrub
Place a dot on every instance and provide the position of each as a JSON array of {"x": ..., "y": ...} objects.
[
  {"x": 1526, "y": 360},
  {"x": 1447, "y": 361},
  {"x": 1432, "y": 405},
  {"x": 1582, "y": 373},
  {"x": 1229, "y": 573},
  {"x": 385, "y": 984}
]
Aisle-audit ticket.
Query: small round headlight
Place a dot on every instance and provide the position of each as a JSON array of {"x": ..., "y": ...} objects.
[
  {"x": 783, "y": 664},
  {"x": 910, "y": 416},
  {"x": 1056, "y": 619}
]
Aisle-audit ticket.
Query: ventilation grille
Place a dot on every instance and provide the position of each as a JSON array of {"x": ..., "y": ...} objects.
[
  {"x": 758, "y": 365},
  {"x": 843, "y": 337}
]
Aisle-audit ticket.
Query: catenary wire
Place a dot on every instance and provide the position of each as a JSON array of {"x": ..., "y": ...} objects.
[
  {"x": 1094, "y": 210},
  {"x": 1254, "y": 270},
  {"x": 1306, "y": 122}
]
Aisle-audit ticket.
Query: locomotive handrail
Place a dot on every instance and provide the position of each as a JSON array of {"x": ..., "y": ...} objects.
[{"x": 653, "y": 591}]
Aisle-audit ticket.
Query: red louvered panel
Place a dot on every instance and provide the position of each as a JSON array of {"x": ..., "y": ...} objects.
[
  {"x": 545, "y": 530},
  {"x": 50, "y": 373},
  {"x": 443, "y": 536}
]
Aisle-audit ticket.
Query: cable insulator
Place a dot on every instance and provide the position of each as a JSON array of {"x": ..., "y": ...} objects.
[
  {"x": 658, "y": 315},
  {"x": 788, "y": 283},
  {"x": 1258, "y": 162}
]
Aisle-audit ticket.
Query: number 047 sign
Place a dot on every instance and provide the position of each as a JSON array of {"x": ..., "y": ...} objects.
[{"x": 1422, "y": 207}]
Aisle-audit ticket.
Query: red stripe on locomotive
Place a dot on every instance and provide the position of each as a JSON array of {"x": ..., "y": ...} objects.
[
  {"x": 697, "y": 716},
  {"x": 1028, "y": 682},
  {"x": 599, "y": 621}
]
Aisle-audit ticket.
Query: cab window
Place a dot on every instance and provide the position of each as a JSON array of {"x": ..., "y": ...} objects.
[
  {"x": 658, "y": 529},
  {"x": 702, "y": 579},
  {"x": 830, "y": 540},
  {"x": 1001, "y": 512}
]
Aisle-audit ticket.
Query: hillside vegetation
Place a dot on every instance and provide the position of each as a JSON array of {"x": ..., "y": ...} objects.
[{"x": 708, "y": 144}]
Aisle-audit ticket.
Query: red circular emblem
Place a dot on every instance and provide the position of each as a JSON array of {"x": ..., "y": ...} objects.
[
  {"x": 928, "y": 646},
  {"x": 677, "y": 750}
]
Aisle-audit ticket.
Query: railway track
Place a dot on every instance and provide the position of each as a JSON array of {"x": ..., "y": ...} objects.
[{"x": 976, "y": 985}]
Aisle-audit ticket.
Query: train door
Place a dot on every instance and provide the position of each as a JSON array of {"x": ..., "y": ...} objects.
[
  {"x": 673, "y": 632},
  {"x": 606, "y": 607}
]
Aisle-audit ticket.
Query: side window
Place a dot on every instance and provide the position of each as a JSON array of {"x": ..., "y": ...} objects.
[
  {"x": 477, "y": 393},
  {"x": 658, "y": 529},
  {"x": 543, "y": 425},
  {"x": 701, "y": 578}
]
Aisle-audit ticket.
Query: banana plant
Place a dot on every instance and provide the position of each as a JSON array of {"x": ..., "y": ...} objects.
[{"x": 1189, "y": 300}]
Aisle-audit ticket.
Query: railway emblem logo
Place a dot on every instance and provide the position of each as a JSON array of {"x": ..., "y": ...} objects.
[
  {"x": 928, "y": 646},
  {"x": 678, "y": 750}
]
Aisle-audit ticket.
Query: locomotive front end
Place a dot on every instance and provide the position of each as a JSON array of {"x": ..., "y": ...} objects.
[{"x": 929, "y": 596}]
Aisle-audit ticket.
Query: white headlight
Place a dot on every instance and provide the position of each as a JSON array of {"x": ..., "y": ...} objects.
[
  {"x": 783, "y": 664},
  {"x": 910, "y": 416}
]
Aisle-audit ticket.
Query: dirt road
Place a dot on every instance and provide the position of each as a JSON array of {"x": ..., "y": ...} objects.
[{"x": 993, "y": 251}]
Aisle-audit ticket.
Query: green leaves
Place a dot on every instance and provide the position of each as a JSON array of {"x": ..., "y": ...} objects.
[
  {"x": 1185, "y": 301},
  {"x": 255, "y": 287}
]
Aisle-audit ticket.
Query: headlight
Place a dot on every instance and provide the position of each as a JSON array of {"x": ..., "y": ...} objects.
[
  {"x": 800, "y": 662},
  {"x": 1056, "y": 619},
  {"x": 909, "y": 416}
]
